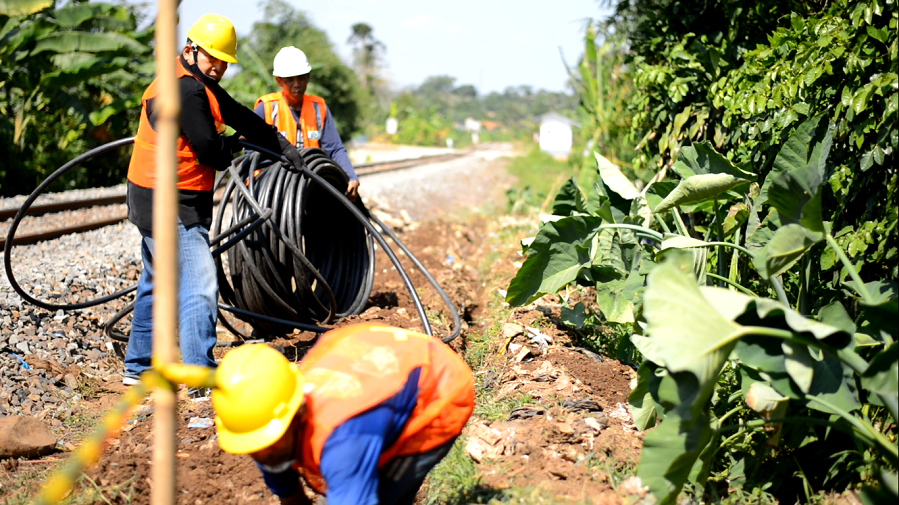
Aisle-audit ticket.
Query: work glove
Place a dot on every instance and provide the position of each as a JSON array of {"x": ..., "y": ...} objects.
[{"x": 294, "y": 160}]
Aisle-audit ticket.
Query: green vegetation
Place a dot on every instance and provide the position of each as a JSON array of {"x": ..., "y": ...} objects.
[
  {"x": 70, "y": 80},
  {"x": 746, "y": 256},
  {"x": 331, "y": 78},
  {"x": 789, "y": 382},
  {"x": 538, "y": 171},
  {"x": 437, "y": 109}
]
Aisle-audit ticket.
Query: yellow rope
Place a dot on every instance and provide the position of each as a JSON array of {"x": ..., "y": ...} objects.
[{"x": 61, "y": 482}]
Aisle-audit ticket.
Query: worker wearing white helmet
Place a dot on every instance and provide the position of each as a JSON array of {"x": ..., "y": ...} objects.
[{"x": 302, "y": 118}]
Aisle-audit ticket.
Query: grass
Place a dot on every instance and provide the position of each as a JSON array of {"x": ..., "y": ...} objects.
[
  {"x": 539, "y": 171},
  {"x": 18, "y": 488},
  {"x": 457, "y": 480}
]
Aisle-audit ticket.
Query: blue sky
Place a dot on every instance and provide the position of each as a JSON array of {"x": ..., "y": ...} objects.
[{"x": 491, "y": 44}]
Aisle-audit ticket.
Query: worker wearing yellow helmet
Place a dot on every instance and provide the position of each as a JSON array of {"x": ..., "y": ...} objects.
[
  {"x": 202, "y": 149},
  {"x": 303, "y": 119},
  {"x": 362, "y": 418}
]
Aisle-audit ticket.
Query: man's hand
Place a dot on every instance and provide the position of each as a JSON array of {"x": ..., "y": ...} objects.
[
  {"x": 292, "y": 154},
  {"x": 352, "y": 190}
]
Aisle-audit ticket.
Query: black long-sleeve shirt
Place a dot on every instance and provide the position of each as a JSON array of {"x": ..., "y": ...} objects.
[{"x": 212, "y": 149}]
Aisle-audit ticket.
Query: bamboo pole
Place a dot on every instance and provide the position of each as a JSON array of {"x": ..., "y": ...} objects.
[{"x": 165, "y": 254}]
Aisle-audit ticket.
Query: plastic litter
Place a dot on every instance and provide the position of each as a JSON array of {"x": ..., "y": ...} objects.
[
  {"x": 200, "y": 422},
  {"x": 21, "y": 361},
  {"x": 538, "y": 338}
]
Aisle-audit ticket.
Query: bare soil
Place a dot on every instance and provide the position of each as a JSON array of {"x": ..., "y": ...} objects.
[{"x": 571, "y": 434}]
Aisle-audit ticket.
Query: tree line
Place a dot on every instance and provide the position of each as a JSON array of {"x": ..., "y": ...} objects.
[{"x": 72, "y": 73}]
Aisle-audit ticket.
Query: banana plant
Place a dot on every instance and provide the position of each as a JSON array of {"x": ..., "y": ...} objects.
[
  {"x": 85, "y": 63},
  {"x": 11, "y": 8}
]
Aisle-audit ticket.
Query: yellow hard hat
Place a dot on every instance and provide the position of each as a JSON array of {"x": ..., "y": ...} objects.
[
  {"x": 216, "y": 35},
  {"x": 257, "y": 393}
]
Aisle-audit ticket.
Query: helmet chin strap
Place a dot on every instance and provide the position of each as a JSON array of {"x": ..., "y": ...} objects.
[{"x": 194, "y": 49}]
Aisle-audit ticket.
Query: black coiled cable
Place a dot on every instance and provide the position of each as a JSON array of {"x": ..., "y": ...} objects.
[
  {"x": 347, "y": 261},
  {"x": 265, "y": 276}
]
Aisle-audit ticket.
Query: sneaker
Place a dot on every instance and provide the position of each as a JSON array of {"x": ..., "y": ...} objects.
[{"x": 131, "y": 380}]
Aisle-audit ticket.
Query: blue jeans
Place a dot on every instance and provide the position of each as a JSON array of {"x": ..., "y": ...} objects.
[{"x": 197, "y": 302}]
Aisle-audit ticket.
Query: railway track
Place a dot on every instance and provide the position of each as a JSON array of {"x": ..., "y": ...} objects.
[{"x": 56, "y": 207}]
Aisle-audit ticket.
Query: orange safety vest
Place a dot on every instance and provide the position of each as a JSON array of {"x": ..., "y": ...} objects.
[
  {"x": 191, "y": 174},
  {"x": 312, "y": 117},
  {"x": 355, "y": 368}
]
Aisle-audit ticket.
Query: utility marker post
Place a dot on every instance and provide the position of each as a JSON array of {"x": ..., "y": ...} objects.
[{"x": 165, "y": 253}]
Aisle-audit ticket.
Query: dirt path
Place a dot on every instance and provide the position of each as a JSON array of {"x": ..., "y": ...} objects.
[{"x": 550, "y": 419}]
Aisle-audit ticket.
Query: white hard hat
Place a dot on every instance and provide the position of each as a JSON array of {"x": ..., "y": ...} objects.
[{"x": 290, "y": 61}]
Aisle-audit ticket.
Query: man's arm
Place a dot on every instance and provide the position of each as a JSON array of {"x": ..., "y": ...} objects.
[
  {"x": 245, "y": 122},
  {"x": 286, "y": 486},
  {"x": 333, "y": 147},
  {"x": 349, "y": 464},
  {"x": 198, "y": 126}
]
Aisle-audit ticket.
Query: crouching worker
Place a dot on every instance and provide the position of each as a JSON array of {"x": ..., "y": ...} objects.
[{"x": 362, "y": 418}]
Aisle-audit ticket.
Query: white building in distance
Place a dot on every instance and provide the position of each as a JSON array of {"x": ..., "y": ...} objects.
[{"x": 555, "y": 133}]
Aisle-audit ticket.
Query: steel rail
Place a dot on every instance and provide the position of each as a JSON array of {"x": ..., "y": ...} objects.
[
  {"x": 38, "y": 210},
  {"x": 361, "y": 169}
]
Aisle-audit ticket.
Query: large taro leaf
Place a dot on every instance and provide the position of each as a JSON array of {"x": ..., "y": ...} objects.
[
  {"x": 784, "y": 249},
  {"x": 641, "y": 404},
  {"x": 657, "y": 192},
  {"x": 693, "y": 341},
  {"x": 806, "y": 149},
  {"x": 792, "y": 368},
  {"x": 705, "y": 173},
  {"x": 691, "y": 335},
  {"x": 670, "y": 454},
  {"x": 759, "y": 234},
  {"x": 616, "y": 299},
  {"x": 794, "y": 189},
  {"x": 614, "y": 179},
  {"x": 558, "y": 254},
  {"x": 615, "y": 208},
  {"x": 618, "y": 184},
  {"x": 698, "y": 188},
  {"x": 882, "y": 375},
  {"x": 834, "y": 314},
  {"x": 697, "y": 248},
  {"x": 569, "y": 201},
  {"x": 832, "y": 381},
  {"x": 613, "y": 303},
  {"x": 702, "y": 159},
  {"x": 878, "y": 316}
]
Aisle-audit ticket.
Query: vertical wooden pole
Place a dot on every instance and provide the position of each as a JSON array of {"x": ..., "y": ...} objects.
[{"x": 165, "y": 254}]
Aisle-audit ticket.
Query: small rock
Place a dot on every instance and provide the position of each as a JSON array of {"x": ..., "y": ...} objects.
[
  {"x": 633, "y": 486},
  {"x": 593, "y": 423},
  {"x": 23, "y": 347},
  {"x": 512, "y": 329},
  {"x": 24, "y": 437},
  {"x": 71, "y": 381}
]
